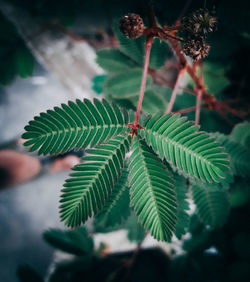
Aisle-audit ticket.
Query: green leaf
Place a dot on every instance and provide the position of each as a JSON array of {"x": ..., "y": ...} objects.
[
  {"x": 113, "y": 60},
  {"x": 183, "y": 218},
  {"x": 215, "y": 77},
  {"x": 239, "y": 193},
  {"x": 241, "y": 133},
  {"x": 126, "y": 84},
  {"x": 98, "y": 83},
  {"x": 152, "y": 192},
  {"x": 75, "y": 242},
  {"x": 117, "y": 206},
  {"x": 136, "y": 232},
  {"x": 212, "y": 204},
  {"x": 239, "y": 154},
  {"x": 133, "y": 48},
  {"x": 26, "y": 273},
  {"x": 153, "y": 101},
  {"x": 74, "y": 126},
  {"x": 24, "y": 62},
  {"x": 194, "y": 153},
  {"x": 159, "y": 53},
  {"x": 90, "y": 186}
]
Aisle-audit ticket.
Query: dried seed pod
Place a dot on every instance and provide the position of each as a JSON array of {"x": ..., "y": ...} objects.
[
  {"x": 200, "y": 23},
  {"x": 131, "y": 26},
  {"x": 197, "y": 49}
]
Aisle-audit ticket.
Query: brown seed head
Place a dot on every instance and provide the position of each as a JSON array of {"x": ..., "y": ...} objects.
[
  {"x": 200, "y": 23},
  {"x": 196, "y": 49},
  {"x": 131, "y": 26}
]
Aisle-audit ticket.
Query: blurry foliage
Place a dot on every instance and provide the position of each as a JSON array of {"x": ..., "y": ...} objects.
[
  {"x": 15, "y": 57},
  {"x": 218, "y": 249}
]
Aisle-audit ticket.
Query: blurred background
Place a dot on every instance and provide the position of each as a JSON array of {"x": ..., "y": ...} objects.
[{"x": 47, "y": 57}]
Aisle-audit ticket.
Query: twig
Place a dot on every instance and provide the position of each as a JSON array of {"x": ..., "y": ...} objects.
[
  {"x": 187, "y": 110},
  {"x": 198, "y": 106},
  {"x": 135, "y": 124},
  {"x": 183, "y": 11},
  {"x": 175, "y": 90}
]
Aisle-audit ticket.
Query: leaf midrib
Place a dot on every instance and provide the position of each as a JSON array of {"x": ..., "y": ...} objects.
[
  {"x": 77, "y": 128},
  {"x": 150, "y": 186},
  {"x": 105, "y": 163},
  {"x": 181, "y": 146}
]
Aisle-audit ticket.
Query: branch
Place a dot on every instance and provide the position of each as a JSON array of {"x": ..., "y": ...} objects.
[
  {"x": 175, "y": 90},
  {"x": 198, "y": 106},
  {"x": 135, "y": 124}
]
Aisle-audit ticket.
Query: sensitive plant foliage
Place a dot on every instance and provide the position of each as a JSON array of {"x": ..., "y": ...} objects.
[
  {"x": 75, "y": 242},
  {"x": 151, "y": 184},
  {"x": 212, "y": 204},
  {"x": 142, "y": 164}
]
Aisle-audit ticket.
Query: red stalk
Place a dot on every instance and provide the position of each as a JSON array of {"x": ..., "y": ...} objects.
[
  {"x": 198, "y": 106},
  {"x": 135, "y": 124},
  {"x": 175, "y": 90}
]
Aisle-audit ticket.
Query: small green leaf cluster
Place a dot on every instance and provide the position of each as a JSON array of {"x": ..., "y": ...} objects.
[
  {"x": 109, "y": 180},
  {"x": 124, "y": 72}
]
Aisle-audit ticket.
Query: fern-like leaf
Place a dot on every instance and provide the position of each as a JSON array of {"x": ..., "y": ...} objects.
[
  {"x": 75, "y": 242},
  {"x": 113, "y": 60},
  {"x": 89, "y": 187},
  {"x": 239, "y": 154},
  {"x": 125, "y": 84},
  {"x": 152, "y": 192},
  {"x": 241, "y": 133},
  {"x": 183, "y": 217},
  {"x": 117, "y": 206},
  {"x": 178, "y": 141},
  {"x": 74, "y": 126},
  {"x": 212, "y": 204}
]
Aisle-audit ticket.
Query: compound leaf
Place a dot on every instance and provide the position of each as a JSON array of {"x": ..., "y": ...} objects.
[
  {"x": 117, "y": 206},
  {"x": 194, "y": 153},
  {"x": 136, "y": 232},
  {"x": 159, "y": 53},
  {"x": 125, "y": 84},
  {"x": 183, "y": 218},
  {"x": 241, "y": 133},
  {"x": 74, "y": 126},
  {"x": 239, "y": 154},
  {"x": 152, "y": 192},
  {"x": 75, "y": 242},
  {"x": 90, "y": 186},
  {"x": 212, "y": 204},
  {"x": 113, "y": 60},
  {"x": 133, "y": 48},
  {"x": 153, "y": 101}
]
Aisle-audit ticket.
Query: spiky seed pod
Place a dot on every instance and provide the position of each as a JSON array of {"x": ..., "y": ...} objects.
[
  {"x": 196, "y": 49},
  {"x": 200, "y": 23},
  {"x": 131, "y": 25}
]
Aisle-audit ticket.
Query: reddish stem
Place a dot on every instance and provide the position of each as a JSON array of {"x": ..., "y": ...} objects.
[
  {"x": 173, "y": 28},
  {"x": 187, "y": 110},
  {"x": 198, "y": 106},
  {"x": 188, "y": 2},
  {"x": 175, "y": 90},
  {"x": 135, "y": 124}
]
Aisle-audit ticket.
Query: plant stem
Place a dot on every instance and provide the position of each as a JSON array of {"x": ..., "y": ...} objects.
[
  {"x": 187, "y": 110},
  {"x": 149, "y": 41},
  {"x": 175, "y": 90},
  {"x": 188, "y": 2},
  {"x": 198, "y": 106}
]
